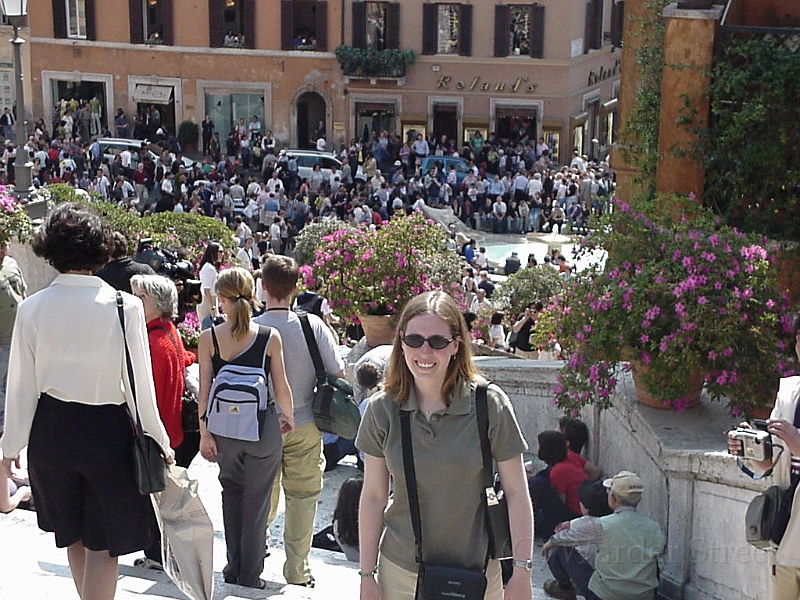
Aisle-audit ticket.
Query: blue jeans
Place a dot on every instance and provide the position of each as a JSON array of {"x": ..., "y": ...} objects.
[
  {"x": 533, "y": 220},
  {"x": 567, "y": 565},
  {"x": 548, "y": 509}
]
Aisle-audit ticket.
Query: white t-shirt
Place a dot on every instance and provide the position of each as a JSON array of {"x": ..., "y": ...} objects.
[{"x": 208, "y": 278}]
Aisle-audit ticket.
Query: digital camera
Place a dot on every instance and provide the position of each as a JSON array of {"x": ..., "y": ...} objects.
[{"x": 756, "y": 443}]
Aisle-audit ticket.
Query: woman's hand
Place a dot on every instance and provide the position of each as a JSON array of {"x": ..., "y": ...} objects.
[
  {"x": 7, "y": 464},
  {"x": 519, "y": 586},
  {"x": 208, "y": 447},
  {"x": 370, "y": 589}
]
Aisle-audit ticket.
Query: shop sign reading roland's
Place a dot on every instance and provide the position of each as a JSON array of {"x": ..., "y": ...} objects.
[{"x": 477, "y": 84}]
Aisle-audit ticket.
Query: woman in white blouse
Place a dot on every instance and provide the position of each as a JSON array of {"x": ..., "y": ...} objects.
[
  {"x": 209, "y": 270},
  {"x": 67, "y": 403}
]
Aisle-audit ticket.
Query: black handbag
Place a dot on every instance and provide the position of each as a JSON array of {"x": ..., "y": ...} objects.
[
  {"x": 335, "y": 408},
  {"x": 149, "y": 465},
  {"x": 496, "y": 508},
  {"x": 435, "y": 582}
]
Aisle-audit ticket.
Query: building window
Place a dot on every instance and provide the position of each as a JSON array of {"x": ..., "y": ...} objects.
[
  {"x": 6, "y": 86},
  {"x": 153, "y": 12},
  {"x": 593, "y": 34},
  {"x": 232, "y": 24},
  {"x": 304, "y": 25},
  {"x": 519, "y": 30},
  {"x": 375, "y": 34},
  {"x": 447, "y": 28},
  {"x": 76, "y": 18}
]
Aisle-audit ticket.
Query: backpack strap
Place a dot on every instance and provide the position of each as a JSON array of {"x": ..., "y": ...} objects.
[{"x": 215, "y": 342}]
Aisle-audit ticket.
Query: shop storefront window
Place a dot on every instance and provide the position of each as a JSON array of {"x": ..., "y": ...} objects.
[
  {"x": 225, "y": 110},
  {"x": 372, "y": 119},
  {"x": 516, "y": 124}
]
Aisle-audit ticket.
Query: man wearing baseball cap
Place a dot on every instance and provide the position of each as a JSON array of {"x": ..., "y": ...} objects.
[{"x": 628, "y": 543}]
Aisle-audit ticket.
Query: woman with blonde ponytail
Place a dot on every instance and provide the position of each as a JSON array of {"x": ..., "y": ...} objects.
[{"x": 246, "y": 469}]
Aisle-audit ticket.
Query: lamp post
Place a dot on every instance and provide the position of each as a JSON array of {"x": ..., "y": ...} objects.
[{"x": 16, "y": 11}]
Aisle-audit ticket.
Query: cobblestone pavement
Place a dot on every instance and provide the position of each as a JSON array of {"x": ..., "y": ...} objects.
[{"x": 32, "y": 568}]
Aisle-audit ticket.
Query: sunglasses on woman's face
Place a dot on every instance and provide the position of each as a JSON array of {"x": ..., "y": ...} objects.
[{"x": 437, "y": 342}]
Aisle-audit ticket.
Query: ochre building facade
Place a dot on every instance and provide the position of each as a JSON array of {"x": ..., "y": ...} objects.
[{"x": 549, "y": 69}]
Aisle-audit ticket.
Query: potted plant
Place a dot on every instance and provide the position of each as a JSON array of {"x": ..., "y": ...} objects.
[
  {"x": 687, "y": 300},
  {"x": 375, "y": 271},
  {"x": 14, "y": 221}
]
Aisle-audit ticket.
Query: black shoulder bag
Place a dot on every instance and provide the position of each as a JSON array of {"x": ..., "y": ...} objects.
[
  {"x": 434, "y": 582},
  {"x": 149, "y": 466},
  {"x": 497, "y": 522},
  {"x": 335, "y": 408}
]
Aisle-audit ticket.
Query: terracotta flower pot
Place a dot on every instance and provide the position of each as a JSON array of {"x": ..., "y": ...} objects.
[
  {"x": 644, "y": 396},
  {"x": 378, "y": 329}
]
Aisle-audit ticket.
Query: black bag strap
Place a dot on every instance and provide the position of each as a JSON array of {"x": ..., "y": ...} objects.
[
  {"x": 313, "y": 348},
  {"x": 490, "y": 494},
  {"x": 482, "y": 410},
  {"x": 411, "y": 481},
  {"x": 129, "y": 364},
  {"x": 171, "y": 338}
]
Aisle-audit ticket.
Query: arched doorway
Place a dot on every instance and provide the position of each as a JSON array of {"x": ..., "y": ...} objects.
[{"x": 310, "y": 111}]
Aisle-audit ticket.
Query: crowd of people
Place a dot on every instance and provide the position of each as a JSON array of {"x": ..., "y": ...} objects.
[{"x": 427, "y": 382}]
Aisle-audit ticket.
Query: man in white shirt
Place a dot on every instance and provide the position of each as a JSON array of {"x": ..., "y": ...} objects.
[
  {"x": 322, "y": 145},
  {"x": 499, "y": 210},
  {"x": 244, "y": 257}
]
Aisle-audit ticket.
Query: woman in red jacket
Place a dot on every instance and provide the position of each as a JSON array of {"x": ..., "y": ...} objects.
[{"x": 169, "y": 358}]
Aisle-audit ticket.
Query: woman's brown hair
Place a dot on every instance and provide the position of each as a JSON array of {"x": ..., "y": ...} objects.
[
  {"x": 237, "y": 285},
  {"x": 399, "y": 379}
]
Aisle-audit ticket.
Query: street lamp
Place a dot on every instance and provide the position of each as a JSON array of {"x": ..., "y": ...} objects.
[{"x": 16, "y": 11}]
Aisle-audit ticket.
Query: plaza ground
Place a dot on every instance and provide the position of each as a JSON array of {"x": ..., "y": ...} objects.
[{"x": 32, "y": 568}]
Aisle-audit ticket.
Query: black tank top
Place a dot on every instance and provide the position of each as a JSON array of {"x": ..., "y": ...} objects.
[{"x": 254, "y": 356}]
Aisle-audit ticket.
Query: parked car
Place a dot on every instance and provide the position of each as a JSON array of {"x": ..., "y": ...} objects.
[
  {"x": 307, "y": 159},
  {"x": 111, "y": 147},
  {"x": 445, "y": 162}
]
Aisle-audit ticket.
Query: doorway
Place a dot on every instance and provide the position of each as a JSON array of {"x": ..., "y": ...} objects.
[
  {"x": 310, "y": 111},
  {"x": 445, "y": 122}
]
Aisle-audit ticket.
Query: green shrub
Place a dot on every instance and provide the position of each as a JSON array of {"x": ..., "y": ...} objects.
[{"x": 528, "y": 285}]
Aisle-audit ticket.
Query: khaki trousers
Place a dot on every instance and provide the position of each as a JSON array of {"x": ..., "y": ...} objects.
[
  {"x": 300, "y": 476},
  {"x": 398, "y": 584},
  {"x": 786, "y": 583}
]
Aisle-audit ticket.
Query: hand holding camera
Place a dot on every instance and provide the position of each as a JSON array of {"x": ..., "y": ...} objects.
[{"x": 751, "y": 442}]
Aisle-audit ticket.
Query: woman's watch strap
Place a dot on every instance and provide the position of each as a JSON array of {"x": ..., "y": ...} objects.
[{"x": 523, "y": 564}]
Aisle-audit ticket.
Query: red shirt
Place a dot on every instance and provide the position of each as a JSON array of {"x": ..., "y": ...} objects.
[
  {"x": 168, "y": 368},
  {"x": 566, "y": 477}
]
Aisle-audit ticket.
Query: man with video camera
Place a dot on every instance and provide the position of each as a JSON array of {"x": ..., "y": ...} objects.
[{"x": 783, "y": 425}]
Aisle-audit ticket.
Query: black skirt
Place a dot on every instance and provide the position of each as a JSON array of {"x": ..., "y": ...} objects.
[{"x": 81, "y": 470}]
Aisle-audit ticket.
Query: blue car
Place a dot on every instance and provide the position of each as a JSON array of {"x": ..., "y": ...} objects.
[{"x": 445, "y": 162}]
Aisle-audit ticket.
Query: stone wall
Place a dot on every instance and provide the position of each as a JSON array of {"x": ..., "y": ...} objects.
[{"x": 693, "y": 488}]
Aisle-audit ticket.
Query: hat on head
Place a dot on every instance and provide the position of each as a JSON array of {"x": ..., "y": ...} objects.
[
  {"x": 594, "y": 497},
  {"x": 397, "y": 163},
  {"x": 624, "y": 484}
]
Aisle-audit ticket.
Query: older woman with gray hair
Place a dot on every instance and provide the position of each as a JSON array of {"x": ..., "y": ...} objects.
[{"x": 160, "y": 299}]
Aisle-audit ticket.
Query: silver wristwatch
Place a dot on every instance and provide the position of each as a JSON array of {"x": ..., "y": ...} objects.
[{"x": 523, "y": 564}]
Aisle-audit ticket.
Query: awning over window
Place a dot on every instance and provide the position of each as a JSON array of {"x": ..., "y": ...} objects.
[{"x": 158, "y": 94}]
